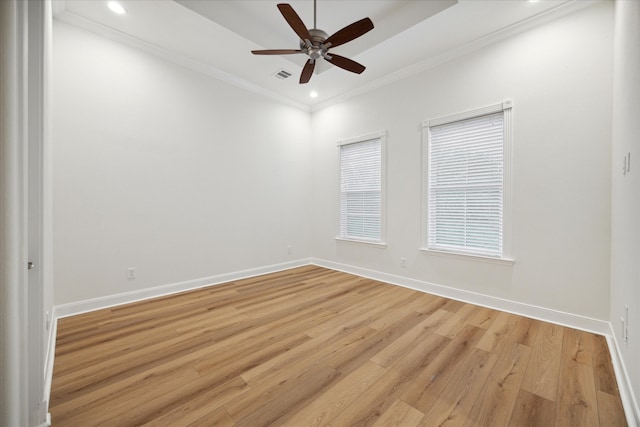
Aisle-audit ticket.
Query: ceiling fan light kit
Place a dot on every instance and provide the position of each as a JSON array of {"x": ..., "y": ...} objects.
[{"x": 316, "y": 43}]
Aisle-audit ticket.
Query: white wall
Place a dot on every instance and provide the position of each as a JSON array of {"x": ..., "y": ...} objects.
[
  {"x": 167, "y": 170},
  {"x": 625, "y": 200},
  {"x": 559, "y": 77}
]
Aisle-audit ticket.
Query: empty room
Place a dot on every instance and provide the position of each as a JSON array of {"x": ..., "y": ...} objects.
[{"x": 331, "y": 213}]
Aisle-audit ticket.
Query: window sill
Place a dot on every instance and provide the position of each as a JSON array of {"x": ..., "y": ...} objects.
[
  {"x": 480, "y": 258},
  {"x": 362, "y": 242}
]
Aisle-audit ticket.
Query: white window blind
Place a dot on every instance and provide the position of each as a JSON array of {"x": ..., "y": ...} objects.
[
  {"x": 466, "y": 186},
  {"x": 361, "y": 190}
]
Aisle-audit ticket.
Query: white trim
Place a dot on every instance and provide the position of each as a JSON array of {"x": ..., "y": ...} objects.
[
  {"x": 380, "y": 245},
  {"x": 557, "y": 12},
  {"x": 176, "y": 58},
  {"x": 507, "y": 183},
  {"x": 14, "y": 392},
  {"x": 456, "y": 117},
  {"x": 367, "y": 137},
  {"x": 471, "y": 257},
  {"x": 50, "y": 357},
  {"x": 382, "y": 136},
  {"x": 46, "y": 422},
  {"x": 562, "y": 318},
  {"x": 506, "y": 106},
  {"x": 629, "y": 401},
  {"x": 73, "y": 308},
  {"x": 38, "y": 53}
]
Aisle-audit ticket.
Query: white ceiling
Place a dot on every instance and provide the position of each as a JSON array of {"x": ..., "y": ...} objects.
[{"x": 217, "y": 36}]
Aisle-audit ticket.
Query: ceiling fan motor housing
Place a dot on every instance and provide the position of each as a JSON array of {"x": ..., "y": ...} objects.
[{"x": 317, "y": 49}]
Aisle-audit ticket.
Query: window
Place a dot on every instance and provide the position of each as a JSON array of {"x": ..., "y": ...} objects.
[
  {"x": 361, "y": 188},
  {"x": 467, "y": 171}
]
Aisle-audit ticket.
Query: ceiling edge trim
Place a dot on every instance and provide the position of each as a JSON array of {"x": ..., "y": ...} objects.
[
  {"x": 176, "y": 58},
  {"x": 491, "y": 38}
]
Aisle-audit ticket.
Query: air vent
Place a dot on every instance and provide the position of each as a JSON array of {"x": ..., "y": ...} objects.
[{"x": 283, "y": 74}]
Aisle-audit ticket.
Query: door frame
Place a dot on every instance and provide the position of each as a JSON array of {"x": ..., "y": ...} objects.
[{"x": 24, "y": 210}]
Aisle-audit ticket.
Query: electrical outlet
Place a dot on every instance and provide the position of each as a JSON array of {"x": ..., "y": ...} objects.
[
  {"x": 289, "y": 250},
  {"x": 47, "y": 320},
  {"x": 403, "y": 262},
  {"x": 131, "y": 273}
]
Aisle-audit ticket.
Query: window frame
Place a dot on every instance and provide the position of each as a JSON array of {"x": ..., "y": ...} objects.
[
  {"x": 382, "y": 137},
  {"x": 506, "y": 108}
]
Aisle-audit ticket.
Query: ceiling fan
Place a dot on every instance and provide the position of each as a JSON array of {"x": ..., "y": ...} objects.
[{"x": 315, "y": 43}]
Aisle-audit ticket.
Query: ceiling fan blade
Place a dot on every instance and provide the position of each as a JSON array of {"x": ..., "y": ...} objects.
[
  {"x": 345, "y": 63},
  {"x": 294, "y": 21},
  {"x": 350, "y": 32},
  {"x": 307, "y": 71},
  {"x": 276, "y": 51}
]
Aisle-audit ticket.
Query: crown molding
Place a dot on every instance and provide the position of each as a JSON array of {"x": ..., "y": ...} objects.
[
  {"x": 557, "y": 12},
  {"x": 170, "y": 56},
  {"x": 435, "y": 61}
]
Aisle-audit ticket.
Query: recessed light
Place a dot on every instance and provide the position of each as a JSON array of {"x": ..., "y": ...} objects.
[
  {"x": 533, "y": 1},
  {"x": 116, "y": 8},
  {"x": 313, "y": 94}
]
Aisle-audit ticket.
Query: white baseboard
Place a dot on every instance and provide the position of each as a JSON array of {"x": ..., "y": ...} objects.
[
  {"x": 600, "y": 327},
  {"x": 596, "y": 326},
  {"x": 541, "y": 313},
  {"x": 49, "y": 357},
  {"x": 545, "y": 314},
  {"x": 629, "y": 401},
  {"x": 71, "y": 309}
]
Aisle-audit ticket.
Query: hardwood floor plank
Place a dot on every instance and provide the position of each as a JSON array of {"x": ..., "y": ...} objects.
[
  {"x": 453, "y": 305},
  {"x": 218, "y": 417},
  {"x": 577, "y": 346},
  {"x": 525, "y": 331},
  {"x": 191, "y": 403},
  {"x": 532, "y": 410},
  {"x": 577, "y": 395},
  {"x": 312, "y": 346},
  {"x": 458, "y": 321},
  {"x": 277, "y": 402},
  {"x": 483, "y": 317},
  {"x": 603, "y": 369},
  {"x": 346, "y": 362},
  {"x": 313, "y": 352},
  {"x": 399, "y": 414},
  {"x": 330, "y": 403},
  {"x": 496, "y": 402},
  {"x": 428, "y": 384},
  {"x": 456, "y": 399},
  {"x": 542, "y": 373},
  {"x": 394, "y": 316},
  {"x": 395, "y": 350},
  {"x": 358, "y": 312},
  {"x": 388, "y": 388},
  {"x": 258, "y": 353},
  {"x": 108, "y": 373},
  {"x": 497, "y": 334},
  {"x": 610, "y": 410},
  {"x": 102, "y": 405}
]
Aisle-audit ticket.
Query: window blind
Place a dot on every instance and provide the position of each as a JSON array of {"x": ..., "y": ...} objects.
[
  {"x": 360, "y": 190},
  {"x": 466, "y": 186}
]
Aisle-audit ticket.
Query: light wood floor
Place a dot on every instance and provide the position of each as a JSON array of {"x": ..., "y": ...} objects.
[{"x": 311, "y": 346}]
